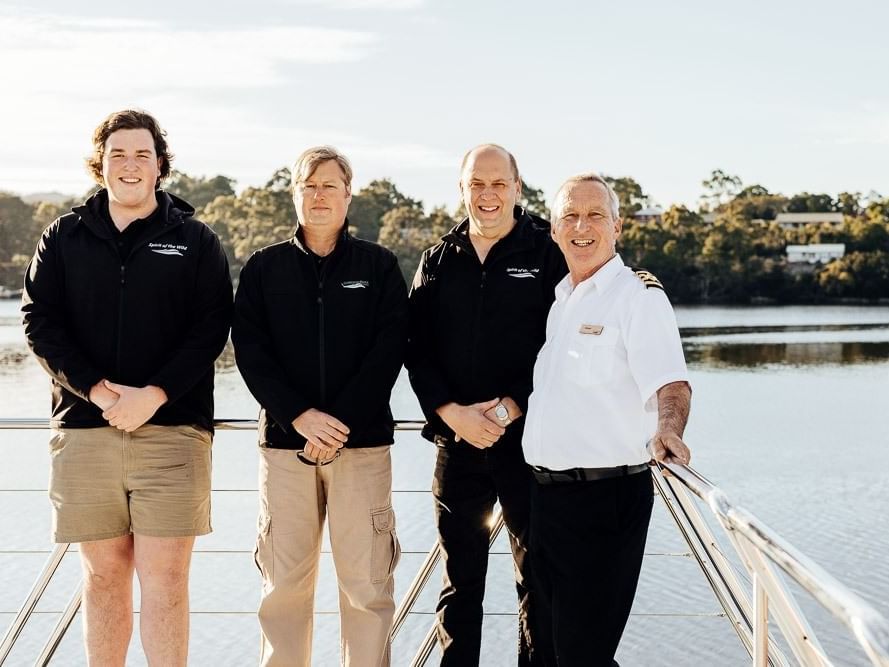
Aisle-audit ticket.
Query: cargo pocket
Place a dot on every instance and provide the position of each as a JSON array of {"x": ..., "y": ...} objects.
[
  {"x": 57, "y": 441},
  {"x": 264, "y": 553},
  {"x": 385, "y": 550}
]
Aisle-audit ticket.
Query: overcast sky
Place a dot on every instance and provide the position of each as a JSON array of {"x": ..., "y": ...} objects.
[{"x": 789, "y": 95}]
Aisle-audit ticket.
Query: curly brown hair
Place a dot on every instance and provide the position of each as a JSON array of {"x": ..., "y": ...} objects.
[{"x": 128, "y": 119}]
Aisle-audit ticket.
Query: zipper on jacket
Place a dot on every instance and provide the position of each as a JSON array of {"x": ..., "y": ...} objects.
[
  {"x": 321, "y": 341},
  {"x": 123, "y": 273},
  {"x": 477, "y": 333}
]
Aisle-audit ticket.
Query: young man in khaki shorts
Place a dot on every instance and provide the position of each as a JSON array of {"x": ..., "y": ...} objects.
[{"x": 127, "y": 304}]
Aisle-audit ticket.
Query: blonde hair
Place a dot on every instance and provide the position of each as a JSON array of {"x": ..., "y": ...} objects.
[{"x": 311, "y": 159}]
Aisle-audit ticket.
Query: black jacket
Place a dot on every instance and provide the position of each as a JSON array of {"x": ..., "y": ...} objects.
[
  {"x": 475, "y": 329},
  {"x": 331, "y": 338},
  {"x": 160, "y": 317}
]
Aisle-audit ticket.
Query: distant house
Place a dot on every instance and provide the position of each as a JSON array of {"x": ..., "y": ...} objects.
[
  {"x": 791, "y": 220},
  {"x": 814, "y": 253},
  {"x": 798, "y": 220},
  {"x": 651, "y": 214}
]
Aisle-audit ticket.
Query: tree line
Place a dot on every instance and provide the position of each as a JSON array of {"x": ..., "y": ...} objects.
[{"x": 737, "y": 258}]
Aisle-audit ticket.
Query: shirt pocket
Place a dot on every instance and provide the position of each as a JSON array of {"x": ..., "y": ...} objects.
[{"x": 590, "y": 357}]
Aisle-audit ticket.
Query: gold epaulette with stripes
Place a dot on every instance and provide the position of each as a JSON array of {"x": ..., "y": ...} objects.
[{"x": 648, "y": 279}]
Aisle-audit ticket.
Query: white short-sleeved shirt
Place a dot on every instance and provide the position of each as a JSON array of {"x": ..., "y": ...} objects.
[{"x": 611, "y": 343}]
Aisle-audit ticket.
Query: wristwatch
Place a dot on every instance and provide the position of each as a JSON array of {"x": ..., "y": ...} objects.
[{"x": 502, "y": 414}]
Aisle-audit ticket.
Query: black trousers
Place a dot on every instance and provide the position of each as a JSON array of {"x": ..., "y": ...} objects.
[
  {"x": 466, "y": 485},
  {"x": 587, "y": 541}
]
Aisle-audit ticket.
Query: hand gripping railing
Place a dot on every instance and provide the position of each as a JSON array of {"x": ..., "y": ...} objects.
[{"x": 763, "y": 553}]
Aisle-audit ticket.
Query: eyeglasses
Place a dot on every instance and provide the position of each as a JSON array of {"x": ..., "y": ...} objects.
[{"x": 301, "y": 455}]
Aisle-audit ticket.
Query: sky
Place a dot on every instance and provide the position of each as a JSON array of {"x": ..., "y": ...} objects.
[{"x": 791, "y": 95}]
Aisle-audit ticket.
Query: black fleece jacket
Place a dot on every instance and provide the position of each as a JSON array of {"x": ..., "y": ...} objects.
[
  {"x": 330, "y": 338},
  {"x": 475, "y": 329},
  {"x": 159, "y": 316}
]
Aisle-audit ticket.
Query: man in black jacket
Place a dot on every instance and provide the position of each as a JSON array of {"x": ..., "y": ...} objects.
[
  {"x": 478, "y": 310},
  {"x": 319, "y": 335},
  {"x": 127, "y": 304}
]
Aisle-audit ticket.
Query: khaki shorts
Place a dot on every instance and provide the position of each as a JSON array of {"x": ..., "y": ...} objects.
[{"x": 107, "y": 483}]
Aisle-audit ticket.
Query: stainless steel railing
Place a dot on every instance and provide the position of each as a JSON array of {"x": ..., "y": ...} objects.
[
  {"x": 764, "y": 555},
  {"x": 749, "y": 597}
]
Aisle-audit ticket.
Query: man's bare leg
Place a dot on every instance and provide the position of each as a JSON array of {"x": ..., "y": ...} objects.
[
  {"x": 107, "y": 600},
  {"x": 162, "y": 564}
]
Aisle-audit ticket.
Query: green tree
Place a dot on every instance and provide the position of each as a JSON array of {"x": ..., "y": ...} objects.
[
  {"x": 19, "y": 235},
  {"x": 371, "y": 203},
  {"x": 866, "y": 234},
  {"x": 534, "y": 201},
  {"x": 199, "y": 190},
  {"x": 806, "y": 202},
  {"x": 756, "y": 203},
  {"x": 849, "y": 203},
  {"x": 244, "y": 223},
  {"x": 670, "y": 250},
  {"x": 629, "y": 195},
  {"x": 719, "y": 189},
  {"x": 858, "y": 274},
  {"x": 407, "y": 232},
  {"x": 878, "y": 209}
]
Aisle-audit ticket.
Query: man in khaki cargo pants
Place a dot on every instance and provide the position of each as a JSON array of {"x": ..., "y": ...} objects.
[{"x": 319, "y": 335}]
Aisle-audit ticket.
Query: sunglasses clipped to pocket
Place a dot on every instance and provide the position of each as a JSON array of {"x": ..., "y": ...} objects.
[{"x": 304, "y": 458}]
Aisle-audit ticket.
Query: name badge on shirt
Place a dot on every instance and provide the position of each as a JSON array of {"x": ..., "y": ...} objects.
[{"x": 592, "y": 329}]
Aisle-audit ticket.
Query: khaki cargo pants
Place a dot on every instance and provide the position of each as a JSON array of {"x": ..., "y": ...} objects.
[{"x": 354, "y": 493}]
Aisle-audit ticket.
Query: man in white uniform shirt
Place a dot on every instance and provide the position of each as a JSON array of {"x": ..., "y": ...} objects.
[{"x": 610, "y": 378}]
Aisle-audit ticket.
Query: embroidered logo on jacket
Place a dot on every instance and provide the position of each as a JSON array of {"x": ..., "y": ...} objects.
[
  {"x": 514, "y": 272},
  {"x": 167, "y": 248},
  {"x": 355, "y": 284}
]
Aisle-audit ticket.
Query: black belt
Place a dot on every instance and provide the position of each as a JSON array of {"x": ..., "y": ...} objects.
[{"x": 547, "y": 476}]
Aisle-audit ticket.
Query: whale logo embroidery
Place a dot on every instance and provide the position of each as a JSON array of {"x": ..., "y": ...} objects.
[{"x": 167, "y": 251}]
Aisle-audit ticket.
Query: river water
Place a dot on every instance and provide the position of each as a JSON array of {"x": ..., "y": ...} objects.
[{"x": 789, "y": 418}]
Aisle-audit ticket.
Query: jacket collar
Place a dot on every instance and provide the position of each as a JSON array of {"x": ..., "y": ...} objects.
[
  {"x": 520, "y": 237},
  {"x": 171, "y": 211},
  {"x": 298, "y": 240}
]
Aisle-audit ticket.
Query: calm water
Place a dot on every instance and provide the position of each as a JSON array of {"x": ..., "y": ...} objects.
[{"x": 789, "y": 419}]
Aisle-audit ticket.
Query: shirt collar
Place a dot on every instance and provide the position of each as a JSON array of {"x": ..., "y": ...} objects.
[{"x": 599, "y": 281}]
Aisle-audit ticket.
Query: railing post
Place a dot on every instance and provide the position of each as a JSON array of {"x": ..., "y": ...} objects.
[
  {"x": 422, "y": 654},
  {"x": 416, "y": 587},
  {"x": 37, "y": 590},
  {"x": 760, "y": 623},
  {"x": 58, "y": 632}
]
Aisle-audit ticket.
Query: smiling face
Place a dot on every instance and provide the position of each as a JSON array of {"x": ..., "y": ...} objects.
[
  {"x": 322, "y": 198},
  {"x": 130, "y": 169},
  {"x": 490, "y": 190},
  {"x": 585, "y": 228}
]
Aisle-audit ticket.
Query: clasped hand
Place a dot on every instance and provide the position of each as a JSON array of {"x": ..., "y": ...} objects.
[
  {"x": 472, "y": 424},
  {"x": 125, "y": 407},
  {"x": 324, "y": 434}
]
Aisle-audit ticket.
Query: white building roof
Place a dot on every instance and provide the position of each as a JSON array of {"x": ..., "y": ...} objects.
[{"x": 808, "y": 217}]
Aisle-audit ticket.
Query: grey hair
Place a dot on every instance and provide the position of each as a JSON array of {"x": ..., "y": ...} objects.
[{"x": 586, "y": 177}]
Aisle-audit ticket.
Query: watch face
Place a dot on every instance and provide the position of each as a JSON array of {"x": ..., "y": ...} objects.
[{"x": 501, "y": 412}]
